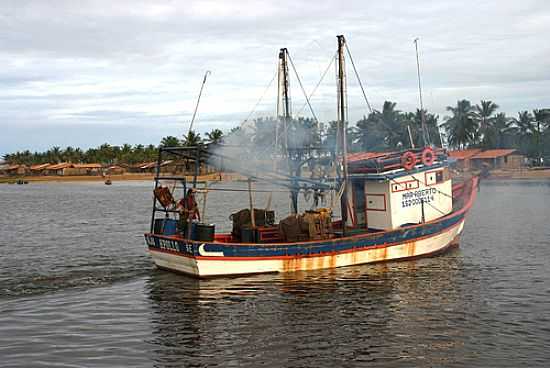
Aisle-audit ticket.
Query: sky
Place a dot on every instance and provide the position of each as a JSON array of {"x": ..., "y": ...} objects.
[{"x": 82, "y": 73}]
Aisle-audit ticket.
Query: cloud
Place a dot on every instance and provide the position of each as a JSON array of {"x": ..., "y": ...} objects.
[{"x": 71, "y": 67}]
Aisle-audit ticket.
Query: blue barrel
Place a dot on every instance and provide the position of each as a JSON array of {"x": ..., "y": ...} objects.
[
  {"x": 193, "y": 235},
  {"x": 170, "y": 227},
  {"x": 249, "y": 234}
]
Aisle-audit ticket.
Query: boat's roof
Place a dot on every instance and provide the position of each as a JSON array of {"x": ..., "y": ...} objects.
[{"x": 397, "y": 173}]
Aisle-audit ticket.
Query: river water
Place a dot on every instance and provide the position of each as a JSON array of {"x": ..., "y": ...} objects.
[{"x": 78, "y": 289}]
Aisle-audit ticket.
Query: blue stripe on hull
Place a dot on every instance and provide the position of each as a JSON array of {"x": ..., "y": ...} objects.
[{"x": 303, "y": 249}]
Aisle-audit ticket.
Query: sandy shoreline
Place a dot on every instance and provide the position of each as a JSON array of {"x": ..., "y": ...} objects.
[
  {"x": 495, "y": 175},
  {"x": 114, "y": 178}
]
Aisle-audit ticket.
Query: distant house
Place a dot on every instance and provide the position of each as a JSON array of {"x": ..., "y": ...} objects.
[
  {"x": 3, "y": 168},
  {"x": 84, "y": 169},
  {"x": 39, "y": 169},
  {"x": 463, "y": 157},
  {"x": 150, "y": 167},
  {"x": 15, "y": 170},
  {"x": 58, "y": 169},
  {"x": 115, "y": 170},
  {"x": 180, "y": 167},
  {"x": 498, "y": 159}
]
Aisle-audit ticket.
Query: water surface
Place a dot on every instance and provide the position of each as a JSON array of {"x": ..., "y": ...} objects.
[{"x": 77, "y": 289}]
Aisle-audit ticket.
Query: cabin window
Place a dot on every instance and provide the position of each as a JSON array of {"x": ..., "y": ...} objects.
[
  {"x": 439, "y": 176},
  {"x": 376, "y": 202}
]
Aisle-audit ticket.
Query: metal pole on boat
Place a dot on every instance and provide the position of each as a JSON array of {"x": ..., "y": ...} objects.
[
  {"x": 204, "y": 202},
  {"x": 410, "y": 136},
  {"x": 251, "y": 203},
  {"x": 341, "y": 78},
  {"x": 284, "y": 98},
  {"x": 422, "y": 207},
  {"x": 425, "y": 134},
  {"x": 198, "y": 101}
]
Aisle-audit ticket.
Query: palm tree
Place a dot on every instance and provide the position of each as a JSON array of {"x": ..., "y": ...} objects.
[
  {"x": 542, "y": 121},
  {"x": 369, "y": 134},
  {"x": 500, "y": 129},
  {"x": 461, "y": 127},
  {"x": 524, "y": 129},
  {"x": 192, "y": 139},
  {"x": 483, "y": 115},
  {"x": 414, "y": 120},
  {"x": 215, "y": 136},
  {"x": 391, "y": 122},
  {"x": 170, "y": 141},
  {"x": 55, "y": 154}
]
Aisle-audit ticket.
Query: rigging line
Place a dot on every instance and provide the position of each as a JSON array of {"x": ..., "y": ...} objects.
[
  {"x": 435, "y": 208},
  {"x": 302, "y": 88},
  {"x": 318, "y": 83},
  {"x": 259, "y": 101},
  {"x": 358, "y": 79}
]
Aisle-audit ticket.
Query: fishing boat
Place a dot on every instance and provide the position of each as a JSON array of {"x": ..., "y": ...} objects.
[{"x": 394, "y": 206}]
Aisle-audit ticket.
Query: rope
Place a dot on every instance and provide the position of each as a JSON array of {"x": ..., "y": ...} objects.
[
  {"x": 302, "y": 88},
  {"x": 259, "y": 101},
  {"x": 358, "y": 79},
  {"x": 318, "y": 83}
]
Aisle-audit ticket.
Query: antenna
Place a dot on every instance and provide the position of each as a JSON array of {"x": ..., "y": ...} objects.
[
  {"x": 198, "y": 101},
  {"x": 425, "y": 134}
]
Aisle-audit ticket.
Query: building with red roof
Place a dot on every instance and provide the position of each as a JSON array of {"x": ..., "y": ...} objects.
[{"x": 494, "y": 158}]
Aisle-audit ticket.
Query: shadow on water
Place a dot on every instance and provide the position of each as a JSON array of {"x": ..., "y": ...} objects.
[{"x": 329, "y": 317}]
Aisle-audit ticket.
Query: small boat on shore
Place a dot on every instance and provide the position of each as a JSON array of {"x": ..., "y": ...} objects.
[{"x": 394, "y": 206}]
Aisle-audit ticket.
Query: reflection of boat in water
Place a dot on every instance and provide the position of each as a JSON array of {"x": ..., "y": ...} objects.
[{"x": 394, "y": 206}]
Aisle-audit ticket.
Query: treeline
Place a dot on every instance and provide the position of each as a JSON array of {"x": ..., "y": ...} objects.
[
  {"x": 107, "y": 154},
  {"x": 467, "y": 125}
]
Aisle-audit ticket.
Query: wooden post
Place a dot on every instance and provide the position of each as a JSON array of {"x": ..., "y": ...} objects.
[
  {"x": 204, "y": 202},
  {"x": 251, "y": 202}
]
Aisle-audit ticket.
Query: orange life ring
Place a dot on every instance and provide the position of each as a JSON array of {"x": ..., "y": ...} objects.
[
  {"x": 428, "y": 156},
  {"x": 408, "y": 160}
]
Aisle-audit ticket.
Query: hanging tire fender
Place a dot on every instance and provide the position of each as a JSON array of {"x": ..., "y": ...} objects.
[
  {"x": 428, "y": 156},
  {"x": 408, "y": 160}
]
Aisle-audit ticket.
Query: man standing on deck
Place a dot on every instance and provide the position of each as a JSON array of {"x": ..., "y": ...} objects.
[{"x": 189, "y": 212}]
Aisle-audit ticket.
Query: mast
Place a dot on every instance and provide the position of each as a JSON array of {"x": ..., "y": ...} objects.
[
  {"x": 283, "y": 103},
  {"x": 198, "y": 101},
  {"x": 425, "y": 134},
  {"x": 347, "y": 214}
]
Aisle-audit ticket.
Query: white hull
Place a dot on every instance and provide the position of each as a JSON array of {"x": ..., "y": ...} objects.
[{"x": 220, "y": 266}]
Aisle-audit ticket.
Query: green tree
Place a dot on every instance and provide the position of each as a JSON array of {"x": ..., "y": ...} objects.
[
  {"x": 461, "y": 127},
  {"x": 215, "y": 136},
  {"x": 499, "y": 132},
  {"x": 192, "y": 139},
  {"x": 483, "y": 115},
  {"x": 170, "y": 141}
]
